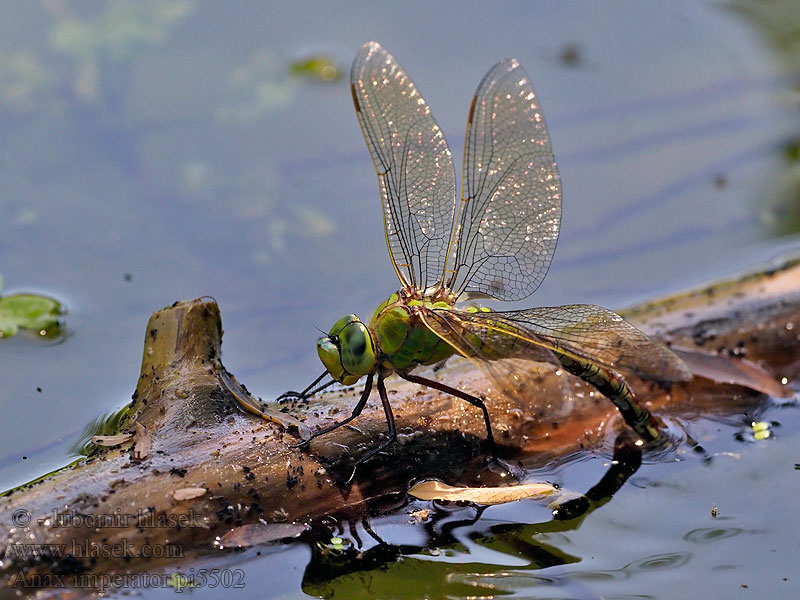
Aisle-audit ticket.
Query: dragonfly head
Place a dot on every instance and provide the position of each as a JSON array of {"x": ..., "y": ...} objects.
[{"x": 348, "y": 351}]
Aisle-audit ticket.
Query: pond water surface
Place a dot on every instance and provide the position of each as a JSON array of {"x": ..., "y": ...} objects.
[{"x": 157, "y": 151}]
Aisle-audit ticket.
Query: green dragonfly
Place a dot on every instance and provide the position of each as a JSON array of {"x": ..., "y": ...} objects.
[{"x": 496, "y": 242}]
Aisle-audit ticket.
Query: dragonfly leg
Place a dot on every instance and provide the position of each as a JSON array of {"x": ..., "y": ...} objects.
[
  {"x": 475, "y": 401},
  {"x": 362, "y": 402},
  {"x": 387, "y": 409},
  {"x": 309, "y": 391},
  {"x": 615, "y": 388}
]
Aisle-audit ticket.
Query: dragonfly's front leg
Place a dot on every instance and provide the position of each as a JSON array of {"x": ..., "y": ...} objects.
[
  {"x": 359, "y": 408},
  {"x": 362, "y": 402},
  {"x": 616, "y": 389},
  {"x": 309, "y": 391}
]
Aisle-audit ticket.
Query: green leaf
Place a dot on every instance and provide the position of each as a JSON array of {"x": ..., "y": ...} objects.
[
  {"x": 318, "y": 67},
  {"x": 179, "y": 582},
  {"x": 32, "y": 312}
]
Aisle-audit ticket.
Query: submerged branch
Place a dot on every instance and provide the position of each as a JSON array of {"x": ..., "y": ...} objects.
[{"x": 197, "y": 466}]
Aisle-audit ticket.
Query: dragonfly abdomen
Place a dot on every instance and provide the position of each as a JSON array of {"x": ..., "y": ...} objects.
[{"x": 614, "y": 387}]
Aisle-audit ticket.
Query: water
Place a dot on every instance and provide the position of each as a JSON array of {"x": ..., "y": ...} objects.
[{"x": 163, "y": 153}]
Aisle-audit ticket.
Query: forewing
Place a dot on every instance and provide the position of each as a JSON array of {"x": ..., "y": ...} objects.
[
  {"x": 478, "y": 339},
  {"x": 414, "y": 165},
  {"x": 510, "y": 213},
  {"x": 583, "y": 331},
  {"x": 498, "y": 356}
]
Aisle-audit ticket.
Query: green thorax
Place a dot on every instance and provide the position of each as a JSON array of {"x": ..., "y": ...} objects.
[{"x": 402, "y": 339}]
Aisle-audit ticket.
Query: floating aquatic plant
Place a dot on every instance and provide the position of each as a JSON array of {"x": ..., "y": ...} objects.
[{"x": 32, "y": 312}]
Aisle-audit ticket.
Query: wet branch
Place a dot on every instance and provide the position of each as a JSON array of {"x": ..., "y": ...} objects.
[{"x": 198, "y": 466}]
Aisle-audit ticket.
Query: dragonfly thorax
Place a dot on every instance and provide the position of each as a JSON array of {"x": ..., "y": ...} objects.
[
  {"x": 395, "y": 339},
  {"x": 402, "y": 339}
]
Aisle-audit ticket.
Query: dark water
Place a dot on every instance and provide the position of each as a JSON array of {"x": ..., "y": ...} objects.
[{"x": 156, "y": 151}]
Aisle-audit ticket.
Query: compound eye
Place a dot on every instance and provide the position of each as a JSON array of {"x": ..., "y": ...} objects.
[
  {"x": 356, "y": 349},
  {"x": 341, "y": 324},
  {"x": 330, "y": 357}
]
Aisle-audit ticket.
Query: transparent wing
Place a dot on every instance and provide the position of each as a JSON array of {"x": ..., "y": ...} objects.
[
  {"x": 579, "y": 330},
  {"x": 476, "y": 339},
  {"x": 414, "y": 165},
  {"x": 509, "y": 217},
  {"x": 500, "y": 357}
]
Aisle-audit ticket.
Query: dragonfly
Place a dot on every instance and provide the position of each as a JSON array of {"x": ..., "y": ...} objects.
[{"x": 494, "y": 242}]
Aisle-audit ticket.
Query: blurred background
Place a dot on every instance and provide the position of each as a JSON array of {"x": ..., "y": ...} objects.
[{"x": 153, "y": 151}]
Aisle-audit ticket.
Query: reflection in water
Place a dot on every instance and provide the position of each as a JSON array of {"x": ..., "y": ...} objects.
[
  {"x": 455, "y": 536},
  {"x": 627, "y": 460},
  {"x": 778, "y": 23},
  {"x": 460, "y": 551},
  {"x": 572, "y": 581}
]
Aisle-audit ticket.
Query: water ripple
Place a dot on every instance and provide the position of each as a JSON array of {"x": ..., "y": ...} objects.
[{"x": 706, "y": 535}]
